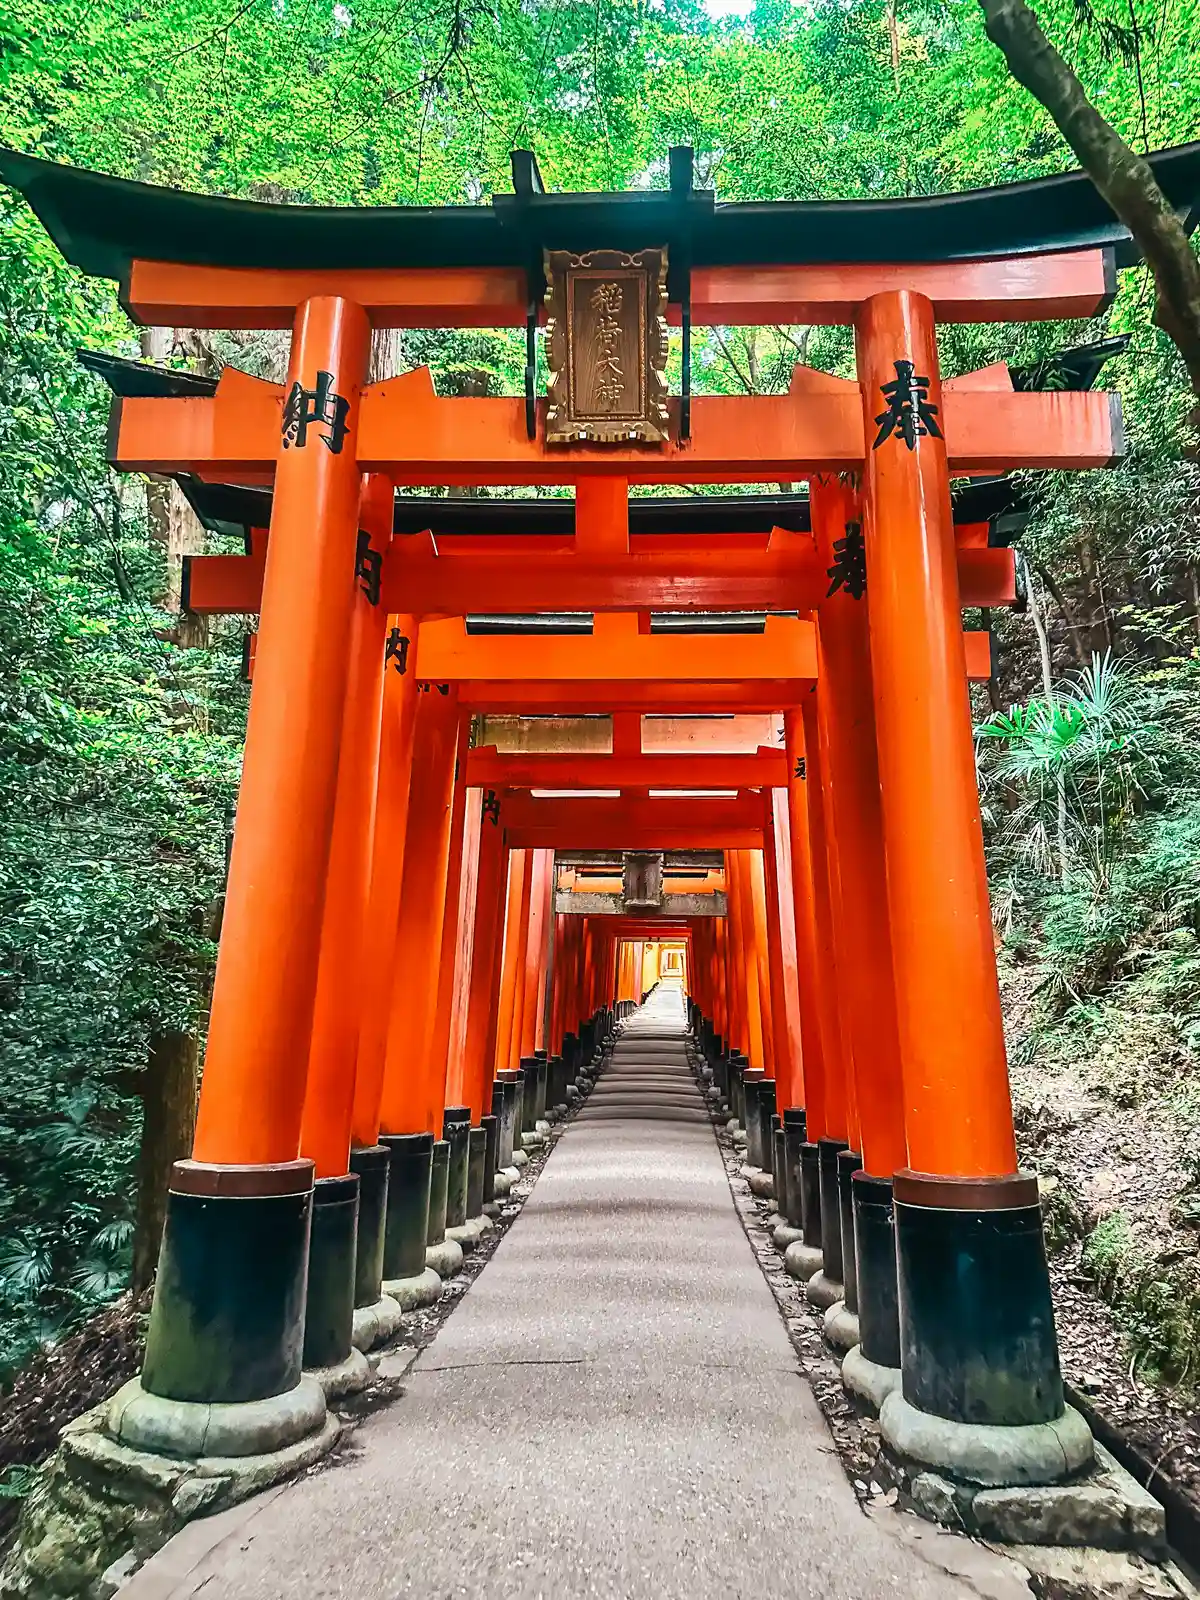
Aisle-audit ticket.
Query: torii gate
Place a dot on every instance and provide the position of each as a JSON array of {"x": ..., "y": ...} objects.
[{"x": 227, "y": 1319}]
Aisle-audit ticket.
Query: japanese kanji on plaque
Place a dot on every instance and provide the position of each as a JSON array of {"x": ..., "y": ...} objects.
[{"x": 607, "y": 347}]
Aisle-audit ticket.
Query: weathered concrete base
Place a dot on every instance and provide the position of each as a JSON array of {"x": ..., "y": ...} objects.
[
  {"x": 867, "y": 1381},
  {"x": 984, "y": 1454},
  {"x": 785, "y": 1236},
  {"x": 739, "y": 1138},
  {"x": 350, "y": 1376},
  {"x": 471, "y": 1232},
  {"x": 1106, "y": 1510},
  {"x": 802, "y": 1261},
  {"x": 774, "y": 1221},
  {"x": 542, "y": 1126},
  {"x": 529, "y": 1141},
  {"x": 446, "y": 1258},
  {"x": 520, "y": 1159},
  {"x": 189, "y": 1428},
  {"x": 375, "y": 1324},
  {"x": 733, "y": 1126},
  {"x": 99, "y": 1503},
  {"x": 821, "y": 1291},
  {"x": 491, "y": 1209},
  {"x": 573, "y": 1095},
  {"x": 840, "y": 1326},
  {"x": 410, "y": 1294},
  {"x": 762, "y": 1184}
]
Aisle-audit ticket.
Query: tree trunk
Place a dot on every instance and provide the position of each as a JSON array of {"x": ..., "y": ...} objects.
[
  {"x": 1078, "y": 649},
  {"x": 1124, "y": 179},
  {"x": 174, "y": 526},
  {"x": 168, "y": 1122},
  {"x": 1060, "y": 787}
]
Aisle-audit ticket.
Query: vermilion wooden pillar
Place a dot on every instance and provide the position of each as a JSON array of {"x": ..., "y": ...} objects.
[
  {"x": 785, "y": 909},
  {"x": 452, "y": 927},
  {"x": 329, "y": 1099},
  {"x": 520, "y": 971},
  {"x": 387, "y": 871},
  {"x": 952, "y": 1037},
  {"x": 749, "y": 959},
  {"x": 228, "y": 1315},
  {"x": 252, "y": 1096},
  {"x": 965, "y": 1219},
  {"x": 786, "y": 1067},
  {"x": 486, "y": 952},
  {"x": 535, "y": 953},
  {"x": 413, "y": 1081},
  {"x": 513, "y": 958},
  {"x": 762, "y": 959},
  {"x": 840, "y": 1108},
  {"x": 866, "y": 989}
]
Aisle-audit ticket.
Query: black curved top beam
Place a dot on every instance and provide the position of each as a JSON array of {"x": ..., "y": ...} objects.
[{"x": 101, "y": 223}]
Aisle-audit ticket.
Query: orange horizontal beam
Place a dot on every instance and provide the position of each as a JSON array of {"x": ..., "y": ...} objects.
[
  {"x": 486, "y": 767},
  {"x": 499, "y": 698},
  {"x": 418, "y": 581},
  {"x": 617, "y": 652},
  {"x": 417, "y": 437},
  {"x": 617, "y": 835},
  {"x": 1018, "y": 289}
]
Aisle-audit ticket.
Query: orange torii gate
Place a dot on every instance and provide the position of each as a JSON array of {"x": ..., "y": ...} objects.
[{"x": 920, "y": 1083}]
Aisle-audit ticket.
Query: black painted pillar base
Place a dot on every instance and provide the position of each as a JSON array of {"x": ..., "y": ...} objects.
[
  {"x": 794, "y": 1127},
  {"x": 831, "y": 1210},
  {"x": 752, "y": 1082},
  {"x": 529, "y": 1082},
  {"x": 543, "y": 1086},
  {"x": 227, "y": 1322},
  {"x": 410, "y": 1157},
  {"x": 456, "y": 1128},
  {"x": 766, "y": 1110},
  {"x": 370, "y": 1163},
  {"x": 477, "y": 1141},
  {"x": 848, "y": 1163},
  {"x": 978, "y": 1350},
  {"x": 779, "y": 1166},
  {"x": 977, "y": 1335},
  {"x": 439, "y": 1184},
  {"x": 810, "y": 1193},
  {"x": 329, "y": 1300},
  {"x": 875, "y": 1258},
  {"x": 330, "y": 1355},
  {"x": 491, "y": 1130}
]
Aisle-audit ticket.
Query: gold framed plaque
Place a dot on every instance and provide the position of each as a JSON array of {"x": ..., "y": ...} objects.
[{"x": 607, "y": 347}]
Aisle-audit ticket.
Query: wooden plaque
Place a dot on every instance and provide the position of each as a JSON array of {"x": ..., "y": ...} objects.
[{"x": 607, "y": 347}]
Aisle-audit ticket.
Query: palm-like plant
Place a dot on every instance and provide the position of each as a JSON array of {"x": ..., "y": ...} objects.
[{"x": 1078, "y": 763}]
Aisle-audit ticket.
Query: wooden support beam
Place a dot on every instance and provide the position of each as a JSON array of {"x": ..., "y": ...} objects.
[
  {"x": 486, "y": 767},
  {"x": 1013, "y": 289},
  {"x": 598, "y": 823},
  {"x": 617, "y": 652},
  {"x": 417, "y": 579},
  {"x": 417, "y": 438}
]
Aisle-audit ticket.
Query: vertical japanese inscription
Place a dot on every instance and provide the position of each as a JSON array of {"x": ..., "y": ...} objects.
[{"x": 607, "y": 347}]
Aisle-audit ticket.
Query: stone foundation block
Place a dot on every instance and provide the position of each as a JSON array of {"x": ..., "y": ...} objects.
[
  {"x": 376, "y": 1324},
  {"x": 410, "y": 1294},
  {"x": 823, "y": 1292}
]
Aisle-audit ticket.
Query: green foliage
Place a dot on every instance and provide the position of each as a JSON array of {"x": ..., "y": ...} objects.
[{"x": 119, "y": 751}]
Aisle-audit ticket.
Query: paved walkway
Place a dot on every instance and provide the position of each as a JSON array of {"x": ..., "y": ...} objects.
[{"x": 613, "y": 1410}]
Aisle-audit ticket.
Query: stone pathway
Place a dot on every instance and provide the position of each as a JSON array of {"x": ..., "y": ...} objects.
[{"x": 613, "y": 1410}]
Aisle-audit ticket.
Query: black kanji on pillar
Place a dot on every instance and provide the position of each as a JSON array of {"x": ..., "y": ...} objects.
[
  {"x": 491, "y": 806},
  {"x": 368, "y": 567},
  {"x": 849, "y": 569},
  {"x": 396, "y": 651},
  {"x": 907, "y": 410},
  {"x": 320, "y": 408}
]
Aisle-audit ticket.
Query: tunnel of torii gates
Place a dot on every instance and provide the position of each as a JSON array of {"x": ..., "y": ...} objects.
[{"x": 402, "y": 993}]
